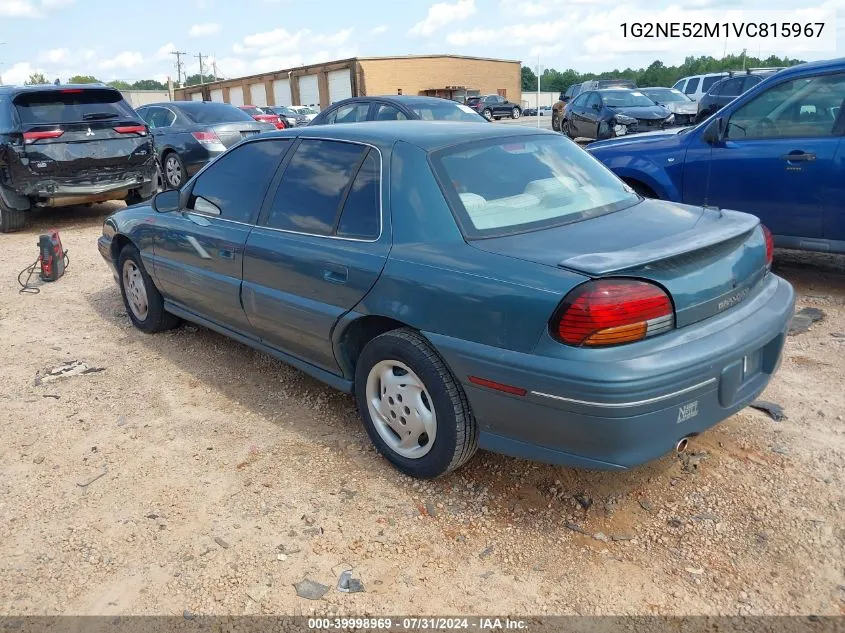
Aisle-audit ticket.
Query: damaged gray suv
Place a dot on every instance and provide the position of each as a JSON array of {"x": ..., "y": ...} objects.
[{"x": 63, "y": 145}]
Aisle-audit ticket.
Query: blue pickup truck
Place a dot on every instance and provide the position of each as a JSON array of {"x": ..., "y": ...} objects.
[{"x": 777, "y": 151}]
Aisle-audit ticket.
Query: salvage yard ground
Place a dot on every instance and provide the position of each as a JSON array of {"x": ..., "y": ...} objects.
[{"x": 195, "y": 474}]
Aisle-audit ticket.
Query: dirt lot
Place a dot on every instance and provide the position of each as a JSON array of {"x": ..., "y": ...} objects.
[{"x": 228, "y": 477}]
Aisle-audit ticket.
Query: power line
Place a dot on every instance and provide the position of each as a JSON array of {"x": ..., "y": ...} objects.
[{"x": 179, "y": 65}]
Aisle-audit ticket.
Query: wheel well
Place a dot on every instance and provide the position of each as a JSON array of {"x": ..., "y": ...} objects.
[
  {"x": 359, "y": 333},
  {"x": 641, "y": 188},
  {"x": 117, "y": 244}
]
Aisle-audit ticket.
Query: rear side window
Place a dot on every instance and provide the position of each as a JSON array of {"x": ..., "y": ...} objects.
[
  {"x": 352, "y": 113},
  {"x": 692, "y": 86},
  {"x": 314, "y": 186},
  {"x": 708, "y": 82},
  {"x": 360, "y": 217},
  {"x": 680, "y": 85},
  {"x": 237, "y": 181},
  {"x": 209, "y": 113},
  {"x": 71, "y": 106},
  {"x": 730, "y": 87}
]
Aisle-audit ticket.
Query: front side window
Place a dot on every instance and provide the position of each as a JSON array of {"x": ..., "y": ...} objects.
[
  {"x": 550, "y": 182},
  {"x": 235, "y": 184},
  {"x": 805, "y": 107},
  {"x": 580, "y": 100},
  {"x": 692, "y": 86},
  {"x": 729, "y": 87},
  {"x": 708, "y": 82},
  {"x": 679, "y": 85},
  {"x": 594, "y": 102},
  {"x": 314, "y": 186},
  {"x": 352, "y": 113}
]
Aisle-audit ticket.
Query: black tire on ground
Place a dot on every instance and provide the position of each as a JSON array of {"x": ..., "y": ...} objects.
[
  {"x": 157, "y": 318},
  {"x": 565, "y": 128},
  {"x": 516, "y": 113},
  {"x": 487, "y": 113},
  {"x": 457, "y": 430},
  {"x": 172, "y": 166},
  {"x": 12, "y": 220},
  {"x": 555, "y": 122}
]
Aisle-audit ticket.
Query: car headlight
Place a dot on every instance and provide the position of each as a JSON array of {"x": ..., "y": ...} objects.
[
  {"x": 670, "y": 119},
  {"x": 624, "y": 119}
]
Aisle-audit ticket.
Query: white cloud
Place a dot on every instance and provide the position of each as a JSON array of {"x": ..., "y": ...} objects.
[
  {"x": 280, "y": 41},
  {"x": 18, "y": 73},
  {"x": 19, "y": 9},
  {"x": 442, "y": 14},
  {"x": 55, "y": 55},
  {"x": 126, "y": 59},
  {"x": 52, "y": 4},
  {"x": 528, "y": 8},
  {"x": 378, "y": 30},
  {"x": 203, "y": 30},
  {"x": 165, "y": 52}
]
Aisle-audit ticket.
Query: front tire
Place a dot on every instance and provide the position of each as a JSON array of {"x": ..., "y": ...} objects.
[
  {"x": 516, "y": 113},
  {"x": 414, "y": 410},
  {"x": 144, "y": 303},
  {"x": 566, "y": 128}
]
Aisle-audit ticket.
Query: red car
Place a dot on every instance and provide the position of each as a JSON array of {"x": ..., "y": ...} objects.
[{"x": 259, "y": 115}]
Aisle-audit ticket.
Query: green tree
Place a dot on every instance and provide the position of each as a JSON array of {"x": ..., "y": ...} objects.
[
  {"x": 120, "y": 85},
  {"x": 83, "y": 79},
  {"x": 36, "y": 79},
  {"x": 529, "y": 79},
  {"x": 194, "y": 80},
  {"x": 149, "y": 84}
]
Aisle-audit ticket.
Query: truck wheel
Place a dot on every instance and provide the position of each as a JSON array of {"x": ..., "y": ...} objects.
[
  {"x": 414, "y": 410},
  {"x": 12, "y": 220}
]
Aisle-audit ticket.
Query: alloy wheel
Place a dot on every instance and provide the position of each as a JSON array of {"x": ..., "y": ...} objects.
[{"x": 173, "y": 171}]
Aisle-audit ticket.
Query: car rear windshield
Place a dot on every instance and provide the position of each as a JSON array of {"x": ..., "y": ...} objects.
[
  {"x": 666, "y": 95},
  {"x": 615, "y": 83},
  {"x": 46, "y": 107},
  {"x": 446, "y": 111},
  {"x": 253, "y": 111},
  {"x": 207, "y": 113},
  {"x": 524, "y": 183}
]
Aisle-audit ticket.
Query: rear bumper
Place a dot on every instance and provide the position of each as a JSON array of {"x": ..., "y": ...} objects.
[
  {"x": 620, "y": 407},
  {"x": 68, "y": 191}
]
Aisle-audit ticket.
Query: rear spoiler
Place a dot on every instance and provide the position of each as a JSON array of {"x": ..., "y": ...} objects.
[{"x": 714, "y": 227}]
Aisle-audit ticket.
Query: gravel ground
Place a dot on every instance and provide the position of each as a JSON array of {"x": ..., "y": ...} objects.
[{"x": 193, "y": 473}]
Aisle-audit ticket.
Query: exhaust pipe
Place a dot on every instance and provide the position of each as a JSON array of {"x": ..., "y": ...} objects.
[{"x": 682, "y": 444}]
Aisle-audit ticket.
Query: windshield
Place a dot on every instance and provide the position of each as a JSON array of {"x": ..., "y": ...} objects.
[
  {"x": 446, "y": 111},
  {"x": 283, "y": 110},
  {"x": 666, "y": 95},
  {"x": 524, "y": 183},
  {"x": 72, "y": 105},
  {"x": 624, "y": 99},
  {"x": 208, "y": 113}
]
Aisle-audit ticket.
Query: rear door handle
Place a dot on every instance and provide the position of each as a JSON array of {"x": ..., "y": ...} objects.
[
  {"x": 799, "y": 156},
  {"x": 336, "y": 274},
  {"x": 226, "y": 254}
]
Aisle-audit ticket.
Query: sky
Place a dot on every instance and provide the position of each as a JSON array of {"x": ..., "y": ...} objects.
[{"x": 111, "y": 41}]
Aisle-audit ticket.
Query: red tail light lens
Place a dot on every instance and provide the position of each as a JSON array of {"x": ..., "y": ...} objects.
[
  {"x": 612, "y": 312},
  {"x": 770, "y": 246},
  {"x": 206, "y": 137},
  {"x": 31, "y": 137},
  {"x": 131, "y": 129}
]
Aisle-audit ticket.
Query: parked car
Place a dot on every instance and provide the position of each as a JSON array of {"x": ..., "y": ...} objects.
[
  {"x": 291, "y": 118},
  {"x": 494, "y": 107},
  {"x": 473, "y": 285},
  {"x": 396, "y": 108},
  {"x": 696, "y": 86},
  {"x": 726, "y": 90},
  {"x": 544, "y": 111},
  {"x": 529, "y": 112},
  {"x": 67, "y": 145},
  {"x": 680, "y": 105},
  {"x": 260, "y": 115},
  {"x": 776, "y": 151},
  {"x": 308, "y": 112},
  {"x": 188, "y": 134},
  {"x": 576, "y": 89},
  {"x": 600, "y": 114}
]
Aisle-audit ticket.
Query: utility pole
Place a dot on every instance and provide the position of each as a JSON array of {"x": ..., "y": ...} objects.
[
  {"x": 538, "y": 90},
  {"x": 214, "y": 66},
  {"x": 200, "y": 57},
  {"x": 178, "y": 65}
]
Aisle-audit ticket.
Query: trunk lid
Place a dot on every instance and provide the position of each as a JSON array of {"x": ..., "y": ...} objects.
[
  {"x": 70, "y": 133},
  {"x": 231, "y": 133},
  {"x": 708, "y": 260}
]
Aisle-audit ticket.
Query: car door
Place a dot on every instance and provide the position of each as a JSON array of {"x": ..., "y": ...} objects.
[
  {"x": 319, "y": 246},
  {"x": 592, "y": 114},
  {"x": 575, "y": 113},
  {"x": 778, "y": 158},
  {"x": 198, "y": 253}
]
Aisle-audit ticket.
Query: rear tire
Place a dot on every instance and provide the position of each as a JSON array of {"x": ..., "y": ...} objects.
[
  {"x": 555, "y": 122},
  {"x": 431, "y": 393},
  {"x": 173, "y": 170},
  {"x": 12, "y": 220},
  {"x": 144, "y": 303},
  {"x": 516, "y": 113},
  {"x": 135, "y": 196},
  {"x": 487, "y": 113}
]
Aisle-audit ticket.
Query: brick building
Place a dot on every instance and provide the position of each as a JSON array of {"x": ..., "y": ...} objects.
[{"x": 450, "y": 76}]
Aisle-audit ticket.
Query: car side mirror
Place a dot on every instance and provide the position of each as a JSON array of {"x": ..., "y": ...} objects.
[
  {"x": 714, "y": 132},
  {"x": 167, "y": 201}
]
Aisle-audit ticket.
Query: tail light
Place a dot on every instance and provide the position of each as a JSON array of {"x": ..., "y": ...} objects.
[
  {"x": 280, "y": 125},
  {"x": 770, "y": 246},
  {"x": 131, "y": 129},
  {"x": 31, "y": 137},
  {"x": 206, "y": 138},
  {"x": 612, "y": 312}
]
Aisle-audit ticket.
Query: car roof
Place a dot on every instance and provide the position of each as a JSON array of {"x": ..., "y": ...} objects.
[
  {"x": 403, "y": 99},
  {"x": 428, "y": 135},
  {"x": 15, "y": 90},
  {"x": 659, "y": 88}
]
